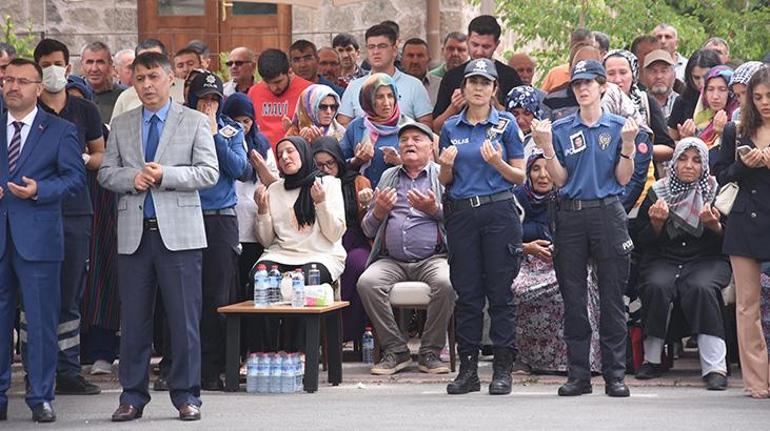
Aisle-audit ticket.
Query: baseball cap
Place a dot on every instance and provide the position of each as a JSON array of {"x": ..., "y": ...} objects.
[
  {"x": 658, "y": 55},
  {"x": 481, "y": 67},
  {"x": 587, "y": 69},
  {"x": 417, "y": 126},
  {"x": 206, "y": 83}
]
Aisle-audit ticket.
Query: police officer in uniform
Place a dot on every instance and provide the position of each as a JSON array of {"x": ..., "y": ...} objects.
[
  {"x": 220, "y": 259},
  {"x": 481, "y": 161},
  {"x": 590, "y": 156}
]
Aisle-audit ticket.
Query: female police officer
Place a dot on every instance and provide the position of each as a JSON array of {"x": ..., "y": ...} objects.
[
  {"x": 481, "y": 160},
  {"x": 590, "y": 156}
]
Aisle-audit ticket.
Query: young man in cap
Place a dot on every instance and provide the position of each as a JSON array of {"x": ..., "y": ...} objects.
[{"x": 590, "y": 156}]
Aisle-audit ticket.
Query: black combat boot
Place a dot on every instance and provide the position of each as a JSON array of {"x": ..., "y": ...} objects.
[
  {"x": 467, "y": 379},
  {"x": 502, "y": 367}
]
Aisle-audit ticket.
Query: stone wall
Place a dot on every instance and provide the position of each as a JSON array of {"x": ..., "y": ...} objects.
[{"x": 77, "y": 22}]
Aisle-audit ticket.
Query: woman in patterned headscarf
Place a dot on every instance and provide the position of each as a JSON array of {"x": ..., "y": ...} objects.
[
  {"x": 316, "y": 114},
  {"x": 739, "y": 83},
  {"x": 715, "y": 107},
  {"x": 524, "y": 104},
  {"x": 370, "y": 143},
  {"x": 623, "y": 70},
  {"x": 681, "y": 243}
]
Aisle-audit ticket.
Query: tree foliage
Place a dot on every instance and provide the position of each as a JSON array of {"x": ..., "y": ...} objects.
[
  {"x": 547, "y": 24},
  {"x": 24, "y": 45}
]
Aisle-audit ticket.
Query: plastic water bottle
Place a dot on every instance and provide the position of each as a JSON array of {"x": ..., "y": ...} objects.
[
  {"x": 260, "y": 286},
  {"x": 275, "y": 373},
  {"x": 287, "y": 374},
  {"x": 298, "y": 289},
  {"x": 274, "y": 285},
  {"x": 252, "y": 365},
  {"x": 313, "y": 276},
  {"x": 263, "y": 373},
  {"x": 299, "y": 372},
  {"x": 367, "y": 346}
]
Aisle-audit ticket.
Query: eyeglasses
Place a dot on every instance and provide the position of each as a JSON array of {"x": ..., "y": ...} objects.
[
  {"x": 10, "y": 80},
  {"x": 325, "y": 107},
  {"x": 328, "y": 165},
  {"x": 380, "y": 46},
  {"x": 237, "y": 63}
]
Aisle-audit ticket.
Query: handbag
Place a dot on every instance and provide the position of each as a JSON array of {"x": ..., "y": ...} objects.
[{"x": 725, "y": 199}]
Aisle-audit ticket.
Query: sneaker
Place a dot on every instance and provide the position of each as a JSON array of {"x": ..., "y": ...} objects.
[
  {"x": 431, "y": 364},
  {"x": 649, "y": 371},
  {"x": 101, "y": 367},
  {"x": 76, "y": 385},
  {"x": 715, "y": 381},
  {"x": 392, "y": 363}
]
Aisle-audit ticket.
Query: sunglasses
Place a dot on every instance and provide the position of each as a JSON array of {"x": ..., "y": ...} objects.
[
  {"x": 324, "y": 107},
  {"x": 237, "y": 63}
]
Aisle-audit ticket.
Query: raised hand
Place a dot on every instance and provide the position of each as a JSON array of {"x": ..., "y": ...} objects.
[
  {"x": 755, "y": 158},
  {"x": 364, "y": 152},
  {"x": 262, "y": 200},
  {"x": 365, "y": 197},
  {"x": 628, "y": 135},
  {"x": 425, "y": 202},
  {"x": 256, "y": 159},
  {"x": 542, "y": 134},
  {"x": 311, "y": 133},
  {"x": 720, "y": 119},
  {"x": 317, "y": 191},
  {"x": 709, "y": 216},
  {"x": 447, "y": 156},
  {"x": 492, "y": 154},
  {"x": 391, "y": 156},
  {"x": 659, "y": 212},
  {"x": 384, "y": 201},
  {"x": 458, "y": 100},
  {"x": 687, "y": 129}
]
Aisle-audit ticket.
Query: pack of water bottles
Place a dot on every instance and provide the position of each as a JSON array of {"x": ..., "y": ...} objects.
[
  {"x": 275, "y": 372},
  {"x": 267, "y": 286}
]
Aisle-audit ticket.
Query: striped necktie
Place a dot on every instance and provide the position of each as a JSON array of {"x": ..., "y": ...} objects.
[{"x": 14, "y": 148}]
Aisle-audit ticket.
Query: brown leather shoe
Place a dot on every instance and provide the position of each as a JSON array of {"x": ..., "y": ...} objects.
[
  {"x": 126, "y": 412},
  {"x": 189, "y": 412}
]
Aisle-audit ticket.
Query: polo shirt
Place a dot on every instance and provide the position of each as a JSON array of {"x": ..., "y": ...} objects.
[
  {"x": 472, "y": 176},
  {"x": 507, "y": 78},
  {"x": 589, "y": 154},
  {"x": 413, "y": 99}
]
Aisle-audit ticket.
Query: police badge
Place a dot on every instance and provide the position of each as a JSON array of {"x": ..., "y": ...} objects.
[{"x": 604, "y": 140}]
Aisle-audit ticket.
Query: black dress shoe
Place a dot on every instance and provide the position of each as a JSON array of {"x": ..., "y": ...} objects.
[
  {"x": 76, "y": 385},
  {"x": 617, "y": 388},
  {"x": 649, "y": 371},
  {"x": 715, "y": 382},
  {"x": 43, "y": 412},
  {"x": 126, "y": 412},
  {"x": 212, "y": 384},
  {"x": 4, "y": 413},
  {"x": 189, "y": 412},
  {"x": 160, "y": 385},
  {"x": 575, "y": 387}
]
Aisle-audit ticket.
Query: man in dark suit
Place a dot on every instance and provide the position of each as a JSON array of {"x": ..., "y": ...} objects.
[
  {"x": 40, "y": 163},
  {"x": 158, "y": 156}
]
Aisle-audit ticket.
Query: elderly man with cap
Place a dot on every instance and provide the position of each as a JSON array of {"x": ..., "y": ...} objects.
[
  {"x": 659, "y": 77},
  {"x": 406, "y": 221},
  {"x": 590, "y": 156},
  {"x": 220, "y": 259}
]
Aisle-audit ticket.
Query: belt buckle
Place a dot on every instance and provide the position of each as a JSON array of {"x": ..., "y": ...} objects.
[
  {"x": 578, "y": 204},
  {"x": 475, "y": 202}
]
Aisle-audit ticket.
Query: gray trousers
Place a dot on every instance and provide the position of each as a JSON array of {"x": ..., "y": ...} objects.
[{"x": 374, "y": 287}]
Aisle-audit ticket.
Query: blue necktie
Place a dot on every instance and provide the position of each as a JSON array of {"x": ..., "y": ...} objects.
[{"x": 150, "y": 147}]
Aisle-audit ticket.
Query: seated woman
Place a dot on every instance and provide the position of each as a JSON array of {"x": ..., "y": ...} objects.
[
  {"x": 301, "y": 216},
  {"x": 356, "y": 194},
  {"x": 681, "y": 242},
  {"x": 524, "y": 104},
  {"x": 370, "y": 143},
  {"x": 539, "y": 305},
  {"x": 316, "y": 114}
]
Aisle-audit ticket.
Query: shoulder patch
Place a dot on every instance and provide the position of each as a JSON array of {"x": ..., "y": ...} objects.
[
  {"x": 501, "y": 125},
  {"x": 228, "y": 131}
]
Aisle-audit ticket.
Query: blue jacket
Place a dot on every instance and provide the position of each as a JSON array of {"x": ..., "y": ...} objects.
[
  {"x": 57, "y": 165},
  {"x": 233, "y": 164}
]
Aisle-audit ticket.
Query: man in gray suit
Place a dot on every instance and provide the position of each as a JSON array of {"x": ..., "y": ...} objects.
[{"x": 158, "y": 157}]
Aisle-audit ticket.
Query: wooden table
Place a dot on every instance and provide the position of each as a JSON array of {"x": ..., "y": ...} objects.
[{"x": 310, "y": 316}]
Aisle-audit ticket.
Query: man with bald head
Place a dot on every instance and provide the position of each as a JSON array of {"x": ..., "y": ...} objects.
[
  {"x": 524, "y": 65},
  {"x": 329, "y": 64},
  {"x": 241, "y": 64}
]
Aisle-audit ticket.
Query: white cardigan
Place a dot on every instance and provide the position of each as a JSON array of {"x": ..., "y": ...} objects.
[{"x": 284, "y": 243}]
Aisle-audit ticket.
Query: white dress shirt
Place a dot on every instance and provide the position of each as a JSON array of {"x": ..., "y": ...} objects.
[{"x": 11, "y": 129}]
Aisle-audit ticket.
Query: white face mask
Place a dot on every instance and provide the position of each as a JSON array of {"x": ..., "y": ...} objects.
[{"x": 54, "y": 78}]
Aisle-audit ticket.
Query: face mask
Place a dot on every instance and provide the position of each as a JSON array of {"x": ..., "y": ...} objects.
[{"x": 54, "y": 78}]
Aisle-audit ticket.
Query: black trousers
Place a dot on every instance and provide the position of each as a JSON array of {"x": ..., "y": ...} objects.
[
  {"x": 484, "y": 258},
  {"x": 600, "y": 235}
]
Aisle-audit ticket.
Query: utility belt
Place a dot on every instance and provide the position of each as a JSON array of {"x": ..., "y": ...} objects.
[
  {"x": 477, "y": 201},
  {"x": 220, "y": 212},
  {"x": 151, "y": 224},
  {"x": 564, "y": 204}
]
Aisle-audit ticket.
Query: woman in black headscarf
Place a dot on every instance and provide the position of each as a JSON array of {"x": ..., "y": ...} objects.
[
  {"x": 301, "y": 217},
  {"x": 356, "y": 193}
]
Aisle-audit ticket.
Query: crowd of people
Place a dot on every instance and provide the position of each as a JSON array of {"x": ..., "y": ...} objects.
[{"x": 140, "y": 193}]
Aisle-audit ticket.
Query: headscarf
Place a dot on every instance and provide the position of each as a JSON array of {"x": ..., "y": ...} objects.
[
  {"x": 239, "y": 105},
  {"x": 78, "y": 82},
  {"x": 304, "y": 208},
  {"x": 306, "y": 114},
  {"x": 347, "y": 176},
  {"x": 377, "y": 125},
  {"x": 525, "y": 97},
  {"x": 634, "y": 92},
  {"x": 744, "y": 72},
  {"x": 615, "y": 101},
  {"x": 534, "y": 198},
  {"x": 686, "y": 200},
  {"x": 704, "y": 115}
]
